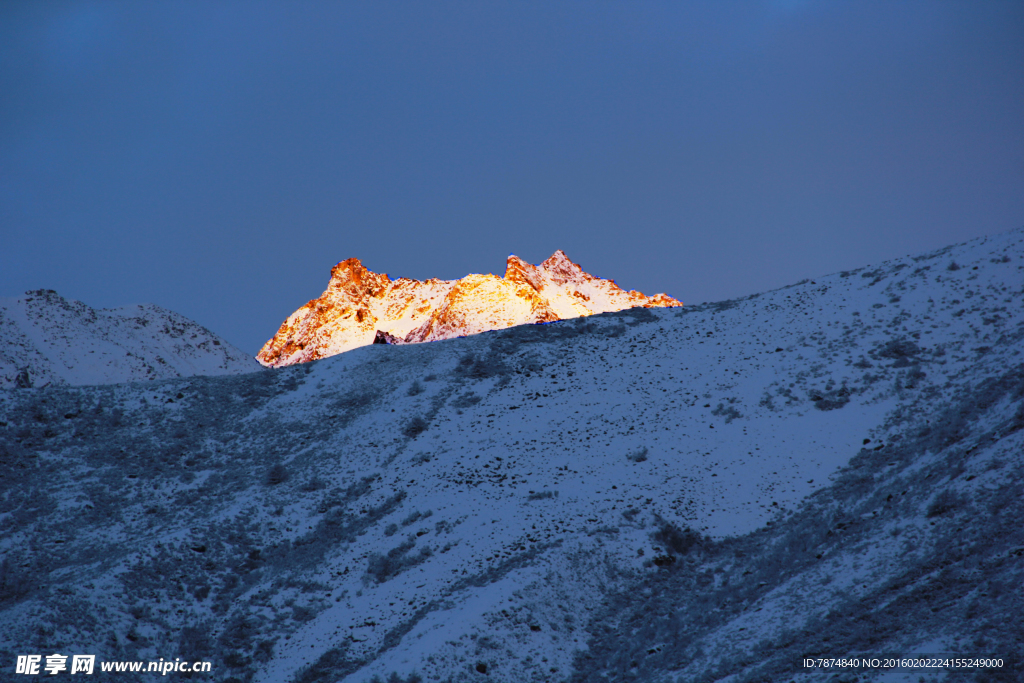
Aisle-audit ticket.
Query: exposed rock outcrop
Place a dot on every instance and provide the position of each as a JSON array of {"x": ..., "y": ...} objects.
[{"x": 359, "y": 306}]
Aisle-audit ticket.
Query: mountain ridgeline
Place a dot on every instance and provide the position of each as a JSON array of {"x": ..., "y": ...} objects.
[
  {"x": 361, "y": 307},
  {"x": 48, "y": 339},
  {"x": 707, "y": 493}
]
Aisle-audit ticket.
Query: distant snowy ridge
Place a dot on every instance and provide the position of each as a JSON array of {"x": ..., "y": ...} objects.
[
  {"x": 358, "y": 304},
  {"x": 47, "y": 339}
]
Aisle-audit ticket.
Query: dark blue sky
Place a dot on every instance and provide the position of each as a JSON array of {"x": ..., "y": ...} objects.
[{"x": 218, "y": 158}]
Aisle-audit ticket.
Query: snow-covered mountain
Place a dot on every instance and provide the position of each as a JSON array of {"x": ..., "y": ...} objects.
[
  {"x": 708, "y": 493},
  {"x": 360, "y": 307},
  {"x": 47, "y": 339}
]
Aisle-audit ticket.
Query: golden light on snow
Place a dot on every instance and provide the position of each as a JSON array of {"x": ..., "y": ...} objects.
[{"x": 358, "y": 303}]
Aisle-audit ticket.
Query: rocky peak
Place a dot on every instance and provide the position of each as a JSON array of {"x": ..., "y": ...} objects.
[
  {"x": 357, "y": 280},
  {"x": 361, "y": 307},
  {"x": 518, "y": 270},
  {"x": 561, "y": 269}
]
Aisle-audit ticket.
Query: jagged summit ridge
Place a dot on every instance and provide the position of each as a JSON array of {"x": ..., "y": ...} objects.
[{"x": 360, "y": 307}]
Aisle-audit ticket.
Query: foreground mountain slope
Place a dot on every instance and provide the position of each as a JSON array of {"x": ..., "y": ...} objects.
[
  {"x": 45, "y": 338},
  {"x": 359, "y": 305},
  {"x": 707, "y": 493}
]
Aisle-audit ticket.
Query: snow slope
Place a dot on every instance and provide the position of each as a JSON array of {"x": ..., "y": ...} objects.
[
  {"x": 67, "y": 342},
  {"x": 707, "y": 493},
  {"x": 358, "y": 304}
]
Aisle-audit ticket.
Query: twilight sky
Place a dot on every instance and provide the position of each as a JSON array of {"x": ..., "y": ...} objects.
[{"x": 217, "y": 158}]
